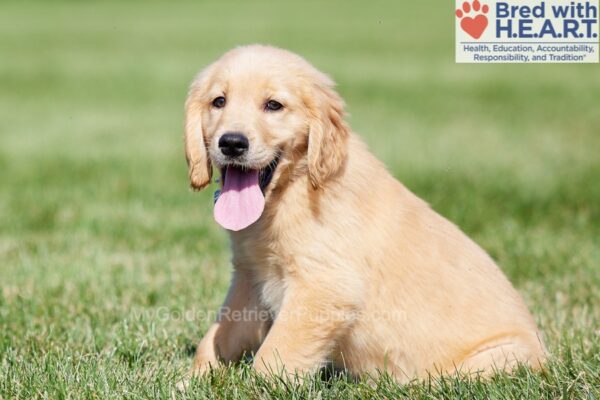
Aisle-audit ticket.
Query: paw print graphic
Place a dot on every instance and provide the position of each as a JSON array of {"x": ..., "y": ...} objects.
[{"x": 474, "y": 26}]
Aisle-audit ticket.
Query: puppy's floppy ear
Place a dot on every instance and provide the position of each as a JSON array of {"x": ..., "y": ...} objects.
[
  {"x": 199, "y": 165},
  {"x": 328, "y": 133}
]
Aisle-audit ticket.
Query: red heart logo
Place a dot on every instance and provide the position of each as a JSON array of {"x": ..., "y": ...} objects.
[{"x": 474, "y": 26}]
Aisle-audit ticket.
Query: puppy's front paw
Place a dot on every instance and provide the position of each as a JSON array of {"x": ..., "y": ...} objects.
[
  {"x": 198, "y": 370},
  {"x": 183, "y": 384}
]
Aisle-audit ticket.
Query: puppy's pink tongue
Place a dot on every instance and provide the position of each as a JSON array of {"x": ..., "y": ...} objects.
[{"x": 241, "y": 201}]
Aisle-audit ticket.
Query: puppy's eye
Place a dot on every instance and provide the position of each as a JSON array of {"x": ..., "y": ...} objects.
[
  {"x": 273, "y": 105},
  {"x": 219, "y": 102}
]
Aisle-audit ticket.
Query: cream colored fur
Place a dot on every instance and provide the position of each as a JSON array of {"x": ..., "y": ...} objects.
[{"x": 351, "y": 266}]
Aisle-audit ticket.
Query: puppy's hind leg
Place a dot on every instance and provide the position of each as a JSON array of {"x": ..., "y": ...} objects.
[{"x": 504, "y": 355}]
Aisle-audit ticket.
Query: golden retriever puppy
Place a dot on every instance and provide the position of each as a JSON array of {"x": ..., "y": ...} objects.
[{"x": 335, "y": 261}]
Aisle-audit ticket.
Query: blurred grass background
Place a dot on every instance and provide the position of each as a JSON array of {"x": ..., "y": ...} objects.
[{"x": 103, "y": 248}]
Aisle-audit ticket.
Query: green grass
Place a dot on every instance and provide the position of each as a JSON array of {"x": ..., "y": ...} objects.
[{"x": 107, "y": 260}]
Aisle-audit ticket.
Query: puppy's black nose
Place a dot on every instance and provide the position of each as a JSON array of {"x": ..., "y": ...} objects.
[{"x": 233, "y": 144}]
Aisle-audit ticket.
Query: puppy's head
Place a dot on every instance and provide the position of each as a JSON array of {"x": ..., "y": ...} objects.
[{"x": 257, "y": 106}]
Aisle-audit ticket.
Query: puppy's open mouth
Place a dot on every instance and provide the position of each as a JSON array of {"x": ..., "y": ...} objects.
[
  {"x": 265, "y": 174},
  {"x": 241, "y": 201}
]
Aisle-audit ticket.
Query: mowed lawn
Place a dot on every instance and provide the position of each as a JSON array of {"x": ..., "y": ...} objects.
[{"x": 109, "y": 264}]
